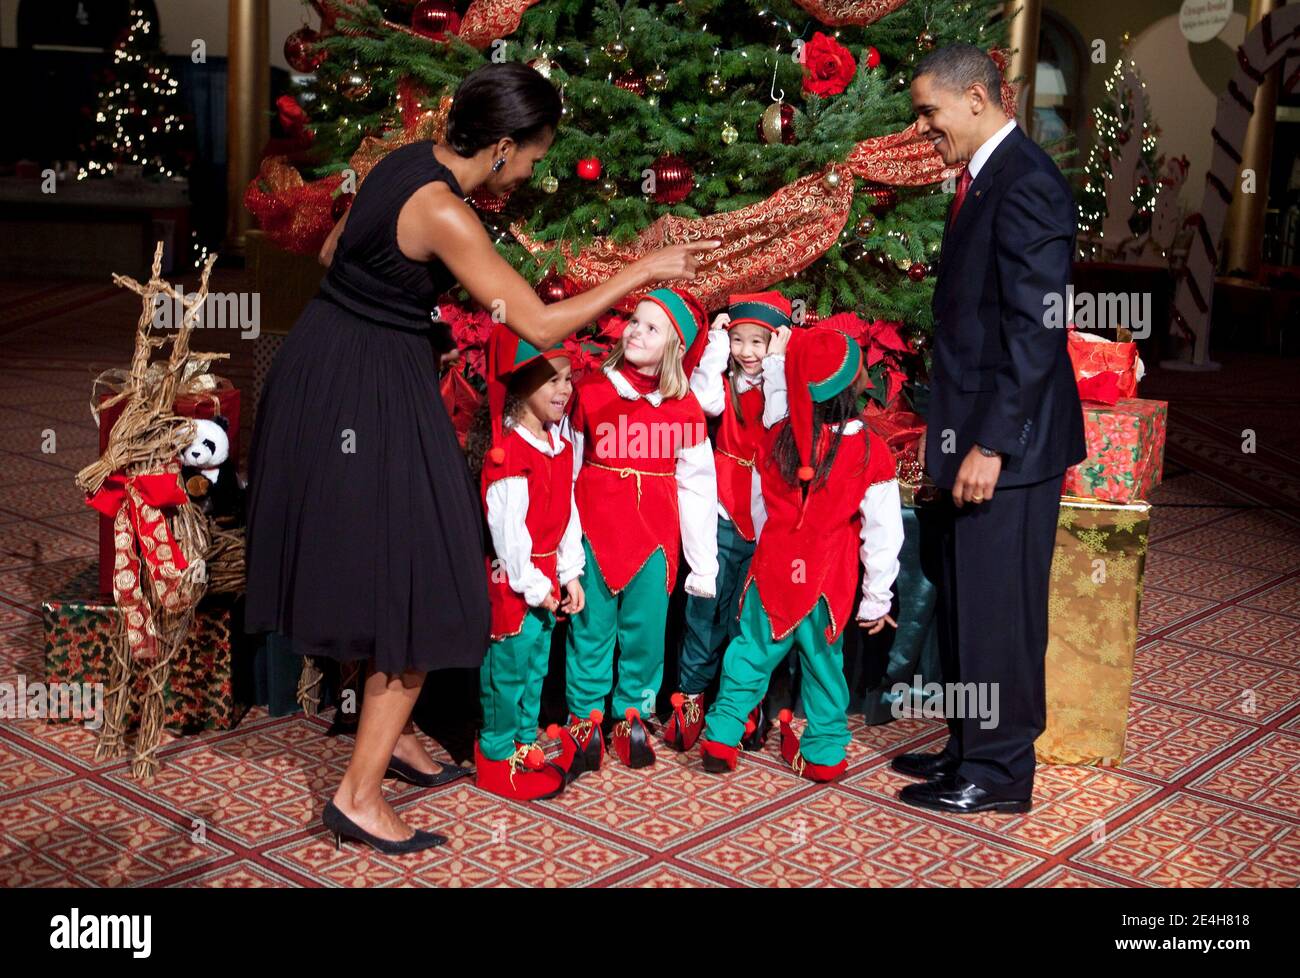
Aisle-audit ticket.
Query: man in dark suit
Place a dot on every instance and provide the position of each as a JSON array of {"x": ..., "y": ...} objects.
[{"x": 1003, "y": 424}]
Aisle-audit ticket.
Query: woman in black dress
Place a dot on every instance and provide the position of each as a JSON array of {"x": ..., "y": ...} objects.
[{"x": 364, "y": 530}]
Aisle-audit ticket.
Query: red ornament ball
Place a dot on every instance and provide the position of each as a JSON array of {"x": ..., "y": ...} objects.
[
  {"x": 341, "y": 205},
  {"x": 674, "y": 179},
  {"x": 554, "y": 288},
  {"x": 435, "y": 19},
  {"x": 301, "y": 52},
  {"x": 917, "y": 271},
  {"x": 873, "y": 58},
  {"x": 486, "y": 202},
  {"x": 883, "y": 198},
  {"x": 589, "y": 169},
  {"x": 776, "y": 124},
  {"x": 630, "y": 81}
]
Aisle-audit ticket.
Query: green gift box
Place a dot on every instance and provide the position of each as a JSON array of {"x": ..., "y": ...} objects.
[{"x": 206, "y": 687}]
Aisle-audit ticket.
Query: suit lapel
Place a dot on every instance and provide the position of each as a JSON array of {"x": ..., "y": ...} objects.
[{"x": 975, "y": 195}]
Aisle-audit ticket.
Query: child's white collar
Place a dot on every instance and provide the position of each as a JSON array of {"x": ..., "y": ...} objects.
[
  {"x": 552, "y": 446},
  {"x": 626, "y": 390}
]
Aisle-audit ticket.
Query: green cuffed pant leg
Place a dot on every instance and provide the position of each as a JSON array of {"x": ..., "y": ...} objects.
[
  {"x": 510, "y": 685},
  {"x": 634, "y": 618},
  {"x": 711, "y": 621},
  {"x": 747, "y": 668}
]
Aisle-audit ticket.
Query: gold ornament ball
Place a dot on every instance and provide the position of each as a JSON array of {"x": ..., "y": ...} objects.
[
  {"x": 543, "y": 66},
  {"x": 729, "y": 134},
  {"x": 715, "y": 85},
  {"x": 866, "y": 226},
  {"x": 353, "y": 84},
  {"x": 657, "y": 80},
  {"x": 550, "y": 184},
  {"x": 925, "y": 41},
  {"x": 831, "y": 180},
  {"x": 616, "y": 50},
  {"x": 606, "y": 189}
]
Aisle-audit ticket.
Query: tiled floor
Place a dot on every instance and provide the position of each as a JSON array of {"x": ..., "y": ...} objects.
[{"x": 1209, "y": 794}]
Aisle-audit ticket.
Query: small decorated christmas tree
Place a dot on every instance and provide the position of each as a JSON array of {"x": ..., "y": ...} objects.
[{"x": 138, "y": 118}]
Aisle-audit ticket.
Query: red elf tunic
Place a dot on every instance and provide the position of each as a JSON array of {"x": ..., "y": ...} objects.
[
  {"x": 550, "y": 493},
  {"x": 735, "y": 451},
  {"x": 827, "y": 541},
  {"x": 627, "y": 486}
]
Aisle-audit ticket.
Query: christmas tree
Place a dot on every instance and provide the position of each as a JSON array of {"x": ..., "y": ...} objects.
[
  {"x": 686, "y": 110},
  {"x": 138, "y": 119},
  {"x": 1121, "y": 180}
]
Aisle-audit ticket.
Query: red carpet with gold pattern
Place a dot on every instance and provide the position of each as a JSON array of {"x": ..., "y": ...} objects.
[{"x": 1208, "y": 795}]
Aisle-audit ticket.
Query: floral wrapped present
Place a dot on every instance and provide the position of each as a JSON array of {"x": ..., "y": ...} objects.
[
  {"x": 1126, "y": 451},
  {"x": 203, "y": 691},
  {"x": 1094, "y": 597}
]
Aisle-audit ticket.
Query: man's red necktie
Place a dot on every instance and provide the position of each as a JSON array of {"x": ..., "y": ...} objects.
[{"x": 963, "y": 184}]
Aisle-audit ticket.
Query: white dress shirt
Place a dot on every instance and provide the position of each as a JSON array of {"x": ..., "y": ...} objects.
[{"x": 986, "y": 150}]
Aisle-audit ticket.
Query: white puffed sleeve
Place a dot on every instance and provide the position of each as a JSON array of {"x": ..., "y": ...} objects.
[
  {"x": 570, "y": 561},
  {"x": 697, "y": 503},
  {"x": 567, "y": 430},
  {"x": 774, "y": 397},
  {"x": 507, "y": 509},
  {"x": 882, "y": 539},
  {"x": 757, "y": 508},
  {"x": 707, "y": 381}
]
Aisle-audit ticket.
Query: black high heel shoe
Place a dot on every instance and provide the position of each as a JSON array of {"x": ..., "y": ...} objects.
[
  {"x": 342, "y": 827},
  {"x": 402, "y": 771}
]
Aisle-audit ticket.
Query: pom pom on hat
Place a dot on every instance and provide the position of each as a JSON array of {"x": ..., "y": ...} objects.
[
  {"x": 497, "y": 455},
  {"x": 806, "y": 473}
]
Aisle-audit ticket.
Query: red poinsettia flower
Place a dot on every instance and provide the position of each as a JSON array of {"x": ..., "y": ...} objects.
[
  {"x": 828, "y": 66},
  {"x": 850, "y": 324},
  {"x": 293, "y": 118},
  {"x": 610, "y": 326},
  {"x": 886, "y": 334}
]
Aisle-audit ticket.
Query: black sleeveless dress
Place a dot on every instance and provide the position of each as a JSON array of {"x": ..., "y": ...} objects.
[{"x": 365, "y": 536}]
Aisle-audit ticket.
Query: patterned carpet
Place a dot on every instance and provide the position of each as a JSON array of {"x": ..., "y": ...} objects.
[{"x": 1209, "y": 794}]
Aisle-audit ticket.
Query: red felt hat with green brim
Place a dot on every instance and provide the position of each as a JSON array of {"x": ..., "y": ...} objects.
[
  {"x": 770, "y": 310},
  {"x": 507, "y": 354},
  {"x": 819, "y": 364},
  {"x": 688, "y": 317}
]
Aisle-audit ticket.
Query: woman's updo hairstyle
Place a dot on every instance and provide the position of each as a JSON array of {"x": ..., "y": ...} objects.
[{"x": 497, "y": 100}]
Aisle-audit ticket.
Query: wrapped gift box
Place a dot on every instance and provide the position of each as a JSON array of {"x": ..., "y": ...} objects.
[
  {"x": 206, "y": 689},
  {"x": 223, "y": 400},
  {"x": 1126, "y": 451},
  {"x": 1096, "y": 361},
  {"x": 1095, "y": 594}
]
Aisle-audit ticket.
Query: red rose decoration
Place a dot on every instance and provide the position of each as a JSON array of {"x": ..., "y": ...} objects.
[
  {"x": 292, "y": 116},
  {"x": 828, "y": 66}
]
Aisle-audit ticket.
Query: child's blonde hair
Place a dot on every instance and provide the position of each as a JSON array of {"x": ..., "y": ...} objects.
[{"x": 673, "y": 382}]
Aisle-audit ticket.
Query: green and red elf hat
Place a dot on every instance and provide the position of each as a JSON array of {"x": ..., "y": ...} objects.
[
  {"x": 508, "y": 353},
  {"x": 770, "y": 310},
  {"x": 688, "y": 317},
  {"x": 819, "y": 363}
]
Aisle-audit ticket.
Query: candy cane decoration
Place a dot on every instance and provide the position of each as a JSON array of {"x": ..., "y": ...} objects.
[{"x": 1265, "y": 47}]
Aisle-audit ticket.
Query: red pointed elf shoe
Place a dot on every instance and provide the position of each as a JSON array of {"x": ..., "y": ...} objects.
[
  {"x": 582, "y": 745},
  {"x": 756, "y": 728},
  {"x": 686, "y": 724},
  {"x": 513, "y": 778},
  {"x": 718, "y": 757},
  {"x": 631, "y": 740},
  {"x": 801, "y": 766}
]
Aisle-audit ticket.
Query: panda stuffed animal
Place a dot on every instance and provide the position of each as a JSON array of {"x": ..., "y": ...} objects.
[{"x": 209, "y": 474}]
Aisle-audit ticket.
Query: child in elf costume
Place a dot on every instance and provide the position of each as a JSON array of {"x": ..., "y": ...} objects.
[
  {"x": 825, "y": 495},
  {"x": 527, "y": 484},
  {"x": 741, "y": 380},
  {"x": 645, "y": 479}
]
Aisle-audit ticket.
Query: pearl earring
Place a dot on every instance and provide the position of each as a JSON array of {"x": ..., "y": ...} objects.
[{"x": 496, "y": 167}]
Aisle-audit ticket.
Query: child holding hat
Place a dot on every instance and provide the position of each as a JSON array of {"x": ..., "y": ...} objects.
[{"x": 827, "y": 498}]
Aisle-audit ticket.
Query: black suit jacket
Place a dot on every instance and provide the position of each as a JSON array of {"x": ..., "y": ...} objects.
[{"x": 999, "y": 376}]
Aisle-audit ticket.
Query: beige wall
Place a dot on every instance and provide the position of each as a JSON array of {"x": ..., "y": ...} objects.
[
  {"x": 1183, "y": 80},
  {"x": 184, "y": 20}
]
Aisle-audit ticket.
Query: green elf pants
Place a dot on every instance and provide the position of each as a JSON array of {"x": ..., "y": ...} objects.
[
  {"x": 711, "y": 621},
  {"x": 748, "y": 665},
  {"x": 510, "y": 685},
  {"x": 635, "y": 617}
]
